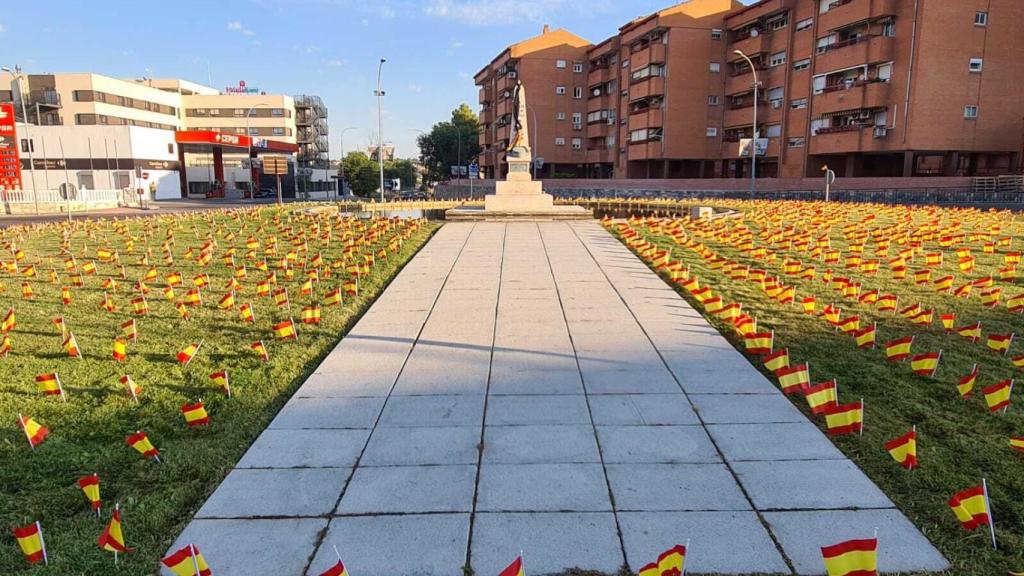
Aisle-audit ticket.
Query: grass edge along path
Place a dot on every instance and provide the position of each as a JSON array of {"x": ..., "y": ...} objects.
[
  {"x": 959, "y": 441},
  {"x": 87, "y": 433}
]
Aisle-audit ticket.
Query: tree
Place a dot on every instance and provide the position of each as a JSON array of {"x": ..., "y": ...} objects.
[
  {"x": 361, "y": 173},
  {"x": 404, "y": 170},
  {"x": 440, "y": 148}
]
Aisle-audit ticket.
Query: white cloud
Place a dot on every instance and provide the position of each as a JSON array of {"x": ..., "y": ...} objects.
[
  {"x": 336, "y": 62},
  {"x": 503, "y": 12},
  {"x": 415, "y": 88},
  {"x": 453, "y": 47},
  {"x": 234, "y": 25},
  {"x": 2, "y": 29},
  {"x": 237, "y": 26}
]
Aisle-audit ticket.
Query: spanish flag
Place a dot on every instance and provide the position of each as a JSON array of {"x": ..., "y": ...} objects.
[
  {"x": 140, "y": 442},
  {"x": 120, "y": 349},
  {"x": 795, "y": 378},
  {"x": 821, "y": 397},
  {"x": 188, "y": 353},
  {"x": 193, "y": 298},
  {"x": 904, "y": 449},
  {"x": 922, "y": 318},
  {"x": 1015, "y": 303},
  {"x": 338, "y": 569},
  {"x": 112, "y": 539},
  {"x": 963, "y": 291},
  {"x": 333, "y": 298},
  {"x": 1017, "y": 443},
  {"x": 672, "y": 561},
  {"x": 845, "y": 419},
  {"x": 888, "y": 302},
  {"x": 185, "y": 561},
  {"x": 200, "y": 280},
  {"x": 174, "y": 279},
  {"x": 285, "y": 330},
  {"x": 865, "y": 338},
  {"x": 220, "y": 378},
  {"x": 971, "y": 507},
  {"x": 245, "y": 312},
  {"x": 351, "y": 287},
  {"x": 107, "y": 304},
  {"x": 281, "y": 297},
  {"x": 926, "y": 364},
  {"x": 140, "y": 306},
  {"x": 311, "y": 315},
  {"x": 65, "y": 295},
  {"x": 261, "y": 350},
  {"x": 30, "y": 540},
  {"x": 195, "y": 414},
  {"x": 514, "y": 569},
  {"x": 997, "y": 396},
  {"x": 759, "y": 343},
  {"x": 990, "y": 298},
  {"x": 808, "y": 304},
  {"x": 851, "y": 558},
  {"x": 71, "y": 346},
  {"x": 999, "y": 342},
  {"x": 227, "y": 302},
  {"x": 948, "y": 321},
  {"x": 34, "y": 432},
  {"x": 129, "y": 330},
  {"x": 49, "y": 384},
  {"x": 90, "y": 485},
  {"x": 972, "y": 331},
  {"x": 966, "y": 384},
  {"x": 1017, "y": 361},
  {"x": 777, "y": 360},
  {"x": 9, "y": 322},
  {"x": 898, "y": 349},
  {"x": 5, "y": 344},
  {"x": 182, "y": 310}
]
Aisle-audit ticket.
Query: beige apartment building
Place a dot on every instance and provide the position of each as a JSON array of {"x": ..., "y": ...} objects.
[{"x": 868, "y": 87}]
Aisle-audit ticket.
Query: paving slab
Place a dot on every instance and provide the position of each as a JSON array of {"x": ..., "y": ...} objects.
[
  {"x": 537, "y": 409},
  {"x": 656, "y": 444},
  {"x": 275, "y": 493},
  {"x": 413, "y": 545},
  {"x": 422, "y": 446},
  {"x": 809, "y": 484},
  {"x": 323, "y": 413},
  {"x": 305, "y": 449},
  {"x": 788, "y": 441},
  {"x": 551, "y": 543},
  {"x": 417, "y": 411},
  {"x": 542, "y": 488},
  {"x": 675, "y": 487},
  {"x": 642, "y": 410},
  {"x": 720, "y": 542},
  {"x": 901, "y": 547},
  {"x": 745, "y": 408},
  {"x": 235, "y": 547},
  {"x": 540, "y": 444},
  {"x": 409, "y": 490}
]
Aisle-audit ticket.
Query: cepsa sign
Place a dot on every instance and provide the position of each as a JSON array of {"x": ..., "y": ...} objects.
[{"x": 10, "y": 161}]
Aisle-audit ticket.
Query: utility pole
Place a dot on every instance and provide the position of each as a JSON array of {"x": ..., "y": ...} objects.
[
  {"x": 753, "y": 141},
  {"x": 380, "y": 127}
]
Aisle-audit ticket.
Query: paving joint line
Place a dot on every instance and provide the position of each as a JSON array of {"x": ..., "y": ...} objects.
[
  {"x": 718, "y": 450},
  {"x": 323, "y": 533}
]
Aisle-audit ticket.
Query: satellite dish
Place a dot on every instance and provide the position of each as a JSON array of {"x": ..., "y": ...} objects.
[{"x": 754, "y": 33}]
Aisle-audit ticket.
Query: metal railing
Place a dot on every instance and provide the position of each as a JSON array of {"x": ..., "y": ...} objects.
[{"x": 78, "y": 196}]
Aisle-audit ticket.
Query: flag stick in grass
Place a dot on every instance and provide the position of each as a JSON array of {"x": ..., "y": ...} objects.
[{"x": 991, "y": 521}]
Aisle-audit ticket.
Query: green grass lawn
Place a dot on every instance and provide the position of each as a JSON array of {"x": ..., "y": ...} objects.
[
  {"x": 87, "y": 432},
  {"x": 959, "y": 441}
]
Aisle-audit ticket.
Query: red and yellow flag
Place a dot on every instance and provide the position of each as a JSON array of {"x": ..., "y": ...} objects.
[
  {"x": 129, "y": 330},
  {"x": 195, "y": 414},
  {"x": 90, "y": 485},
  {"x": 845, "y": 419},
  {"x": 971, "y": 507},
  {"x": 338, "y": 569},
  {"x": 759, "y": 343},
  {"x": 898, "y": 349},
  {"x": 926, "y": 364},
  {"x": 184, "y": 562},
  {"x": 997, "y": 396},
  {"x": 9, "y": 322},
  {"x": 49, "y": 384},
  {"x": 227, "y": 302},
  {"x": 794, "y": 379},
  {"x": 851, "y": 558},
  {"x": 514, "y": 569},
  {"x": 30, "y": 540},
  {"x": 999, "y": 342},
  {"x": 188, "y": 353},
  {"x": 311, "y": 315},
  {"x": 112, "y": 539},
  {"x": 246, "y": 313},
  {"x": 120, "y": 349},
  {"x": 333, "y": 298},
  {"x": 285, "y": 330},
  {"x": 671, "y": 562},
  {"x": 261, "y": 350},
  {"x": 777, "y": 360},
  {"x": 193, "y": 298},
  {"x": 1017, "y": 443},
  {"x": 281, "y": 297},
  {"x": 220, "y": 378},
  {"x": 71, "y": 346},
  {"x": 821, "y": 397},
  {"x": 865, "y": 338},
  {"x": 140, "y": 442},
  {"x": 966, "y": 384},
  {"x": 904, "y": 449},
  {"x": 34, "y": 432}
]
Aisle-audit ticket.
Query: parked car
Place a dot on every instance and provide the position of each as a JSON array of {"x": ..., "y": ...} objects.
[{"x": 265, "y": 193}]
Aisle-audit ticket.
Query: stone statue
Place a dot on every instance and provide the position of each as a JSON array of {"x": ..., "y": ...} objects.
[{"x": 519, "y": 144}]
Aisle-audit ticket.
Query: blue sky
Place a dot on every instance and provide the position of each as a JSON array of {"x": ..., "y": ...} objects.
[{"x": 324, "y": 47}]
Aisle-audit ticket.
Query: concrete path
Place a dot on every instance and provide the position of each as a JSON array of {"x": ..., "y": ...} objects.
[{"x": 535, "y": 387}]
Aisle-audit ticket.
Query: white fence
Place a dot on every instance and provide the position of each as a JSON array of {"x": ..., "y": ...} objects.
[{"x": 57, "y": 197}]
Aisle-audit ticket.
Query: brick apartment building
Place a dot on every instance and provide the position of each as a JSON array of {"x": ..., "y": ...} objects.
[{"x": 869, "y": 87}]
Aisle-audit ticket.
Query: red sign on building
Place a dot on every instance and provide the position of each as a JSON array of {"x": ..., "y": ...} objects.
[{"x": 10, "y": 161}]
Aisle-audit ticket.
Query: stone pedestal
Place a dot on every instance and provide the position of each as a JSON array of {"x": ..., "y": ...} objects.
[{"x": 518, "y": 197}]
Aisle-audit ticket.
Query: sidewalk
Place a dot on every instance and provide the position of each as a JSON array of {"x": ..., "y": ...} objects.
[{"x": 535, "y": 387}]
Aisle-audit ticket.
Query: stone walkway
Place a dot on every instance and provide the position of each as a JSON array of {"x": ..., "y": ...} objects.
[{"x": 535, "y": 387}]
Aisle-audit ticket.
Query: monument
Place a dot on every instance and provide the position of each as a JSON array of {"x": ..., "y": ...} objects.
[{"x": 519, "y": 196}]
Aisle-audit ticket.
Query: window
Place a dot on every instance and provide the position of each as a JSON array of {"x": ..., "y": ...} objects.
[
  {"x": 798, "y": 103},
  {"x": 559, "y": 141},
  {"x": 28, "y": 145},
  {"x": 889, "y": 28},
  {"x": 773, "y": 131},
  {"x": 714, "y": 67},
  {"x": 559, "y": 63},
  {"x": 970, "y": 111},
  {"x": 775, "y": 96},
  {"x": 645, "y": 134},
  {"x": 577, "y": 143},
  {"x": 577, "y": 117},
  {"x": 802, "y": 64},
  {"x": 975, "y": 65},
  {"x": 981, "y": 18},
  {"x": 577, "y": 92},
  {"x": 559, "y": 115},
  {"x": 777, "y": 59},
  {"x": 214, "y": 111},
  {"x": 716, "y": 33},
  {"x": 277, "y": 112},
  {"x": 254, "y": 131},
  {"x": 713, "y": 100},
  {"x": 278, "y": 131},
  {"x": 646, "y": 71},
  {"x": 239, "y": 130},
  {"x": 560, "y": 90},
  {"x": 239, "y": 112},
  {"x": 777, "y": 22},
  {"x": 805, "y": 24},
  {"x": 577, "y": 66},
  {"x": 795, "y": 143},
  {"x": 884, "y": 72},
  {"x": 712, "y": 132}
]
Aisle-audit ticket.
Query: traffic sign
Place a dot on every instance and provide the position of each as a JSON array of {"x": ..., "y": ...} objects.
[{"x": 474, "y": 171}]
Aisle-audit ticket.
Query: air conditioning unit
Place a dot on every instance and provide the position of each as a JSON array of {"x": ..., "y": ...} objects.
[
  {"x": 881, "y": 131},
  {"x": 776, "y": 104},
  {"x": 513, "y": 74},
  {"x": 577, "y": 126},
  {"x": 611, "y": 121}
]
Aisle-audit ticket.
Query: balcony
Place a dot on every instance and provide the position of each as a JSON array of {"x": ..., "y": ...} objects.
[
  {"x": 601, "y": 155},
  {"x": 740, "y": 82},
  {"x": 602, "y": 128},
  {"x": 851, "y": 138},
  {"x": 859, "y": 95},
  {"x": 652, "y": 117},
  {"x": 731, "y": 150},
  {"x": 738, "y": 115},
  {"x": 844, "y": 12},
  {"x": 854, "y": 52},
  {"x": 650, "y": 86},
  {"x": 655, "y": 52},
  {"x": 599, "y": 75},
  {"x": 647, "y": 150},
  {"x": 750, "y": 45}
]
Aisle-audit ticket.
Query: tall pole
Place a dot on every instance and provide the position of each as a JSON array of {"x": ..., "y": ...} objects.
[
  {"x": 16, "y": 74},
  {"x": 753, "y": 143},
  {"x": 380, "y": 127},
  {"x": 248, "y": 153},
  {"x": 342, "y": 163}
]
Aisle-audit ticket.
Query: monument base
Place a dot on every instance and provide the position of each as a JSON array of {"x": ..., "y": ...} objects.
[
  {"x": 519, "y": 197},
  {"x": 482, "y": 213}
]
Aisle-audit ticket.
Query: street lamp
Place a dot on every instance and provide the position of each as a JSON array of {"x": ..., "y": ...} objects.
[
  {"x": 380, "y": 127},
  {"x": 16, "y": 76},
  {"x": 753, "y": 143},
  {"x": 248, "y": 113},
  {"x": 341, "y": 164}
]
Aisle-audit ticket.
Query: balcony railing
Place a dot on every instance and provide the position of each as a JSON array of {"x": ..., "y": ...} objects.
[
  {"x": 843, "y": 44},
  {"x": 746, "y": 70},
  {"x": 839, "y": 129}
]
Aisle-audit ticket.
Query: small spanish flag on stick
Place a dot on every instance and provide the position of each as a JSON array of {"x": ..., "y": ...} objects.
[
  {"x": 71, "y": 346},
  {"x": 187, "y": 562},
  {"x": 189, "y": 352},
  {"x": 515, "y": 568},
  {"x": 997, "y": 396},
  {"x": 133, "y": 388},
  {"x": 119, "y": 350},
  {"x": 30, "y": 540},
  {"x": 821, "y": 397},
  {"x": 246, "y": 313},
  {"x": 338, "y": 569},
  {"x": 899, "y": 349},
  {"x": 845, "y": 419},
  {"x": 904, "y": 449},
  {"x": 195, "y": 414},
  {"x": 129, "y": 330},
  {"x": 286, "y": 330},
  {"x": 926, "y": 364},
  {"x": 220, "y": 378},
  {"x": 795, "y": 378},
  {"x": 34, "y": 432},
  {"x": 777, "y": 360},
  {"x": 973, "y": 509},
  {"x": 140, "y": 442},
  {"x": 261, "y": 349},
  {"x": 672, "y": 561},
  {"x": 966, "y": 384},
  {"x": 49, "y": 384},
  {"x": 1017, "y": 443},
  {"x": 112, "y": 539},
  {"x": 5, "y": 345},
  {"x": 90, "y": 485},
  {"x": 852, "y": 558}
]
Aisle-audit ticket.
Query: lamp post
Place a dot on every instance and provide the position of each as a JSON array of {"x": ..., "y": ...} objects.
[
  {"x": 16, "y": 76},
  {"x": 341, "y": 164},
  {"x": 753, "y": 143},
  {"x": 380, "y": 127},
  {"x": 248, "y": 114}
]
